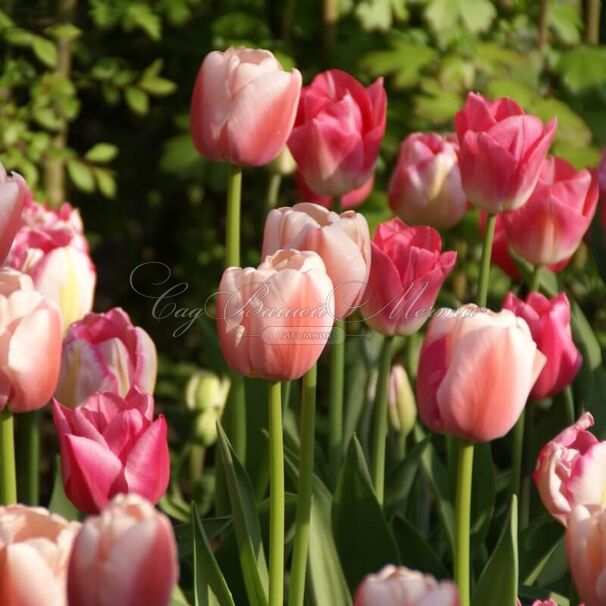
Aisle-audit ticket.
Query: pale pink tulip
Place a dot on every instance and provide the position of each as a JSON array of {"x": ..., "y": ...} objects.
[
  {"x": 105, "y": 352},
  {"x": 464, "y": 388},
  {"x": 14, "y": 196},
  {"x": 35, "y": 546},
  {"x": 243, "y": 106},
  {"x": 342, "y": 241},
  {"x": 274, "y": 321},
  {"x": 425, "y": 187},
  {"x": 399, "y": 586},
  {"x": 126, "y": 556},
  {"x": 30, "y": 344}
]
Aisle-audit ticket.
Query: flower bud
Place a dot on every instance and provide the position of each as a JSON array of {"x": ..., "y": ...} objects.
[
  {"x": 402, "y": 404},
  {"x": 283, "y": 164}
]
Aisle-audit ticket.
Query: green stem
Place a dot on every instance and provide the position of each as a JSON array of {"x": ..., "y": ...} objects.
[
  {"x": 462, "y": 519},
  {"x": 380, "y": 424},
  {"x": 518, "y": 451},
  {"x": 569, "y": 401},
  {"x": 485, "y": 262},
  {"x": 29, "y": 454},
  {"x": 330, "y": 20},
  {"x": 8, "y": 478},
  {"x": 273, "y": 189},
  {"x": 196, "y": 462},
  {"x": 276, "y": 496},
  {"x": 304, "y": 493},
  {"x": 535, "y": 280},
  {"x": 592, "y": 21},
  {"x": 335, "y": 405},
  {"x": 401, "y": 438}
]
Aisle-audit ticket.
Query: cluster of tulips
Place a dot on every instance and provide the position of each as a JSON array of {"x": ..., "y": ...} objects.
[{"x": 477, "y": 368}]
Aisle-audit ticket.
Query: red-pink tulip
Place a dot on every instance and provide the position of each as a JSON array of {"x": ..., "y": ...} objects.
[
  {"x": 126, "y": 556},
  {"x": 348, "y": 201},
  {"x": 243, "y": 106},
  {"x": 586, "y": 548},
  {"x": 105, "y": 352},
  {"x": 343, "y": 242},
  {"x": 570, "y": 470},
  {"x": 35, "y": 546},
  {"x": 399, "y": 586},
  {"x": 337, "y": 133},
  {"x": 274, "y": 321},
  {"x": 464, "y": 388},
  {"x": 501, "y": 152},
  {"x": 425, "y": 187},
  {"x": 14, "y": 195},
  {"x": 407, "y": 271},
  {"x": 551, "y": 225},
  {"x": 30, "y": 344},
  {"x": 110, "y": 445},
  {"x": 549, "y": 323}
]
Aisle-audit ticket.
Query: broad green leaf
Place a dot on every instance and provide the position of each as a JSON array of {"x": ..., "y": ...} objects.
[
  {"x": 213, "y": 527},
  {"x": 59, "y": 503},
  {"x": 246, "y": 522},
  {"x": 101, "y": 153},
  {"x": 210, "y": 586},
  {"x": 178, "y": 598},
  {"x": 81, "y": 175},
  {"x": 483, "y": 492},
  {"x": 583, "y": 67},
  {"x": 157, "y": 86},
  {"x": 45, "y": 50},
  {"x": 445, "y": 15},
  {"x": 565, "y": 20},
  {"x": 105, "y": 182},
  {"x": 537, "y": 543},
  {"x": 380, "y": 14},
  {"x": 355, "y": 506},
  {"x": 498, "y": 583},
  {"x": 137, "y": 100}
]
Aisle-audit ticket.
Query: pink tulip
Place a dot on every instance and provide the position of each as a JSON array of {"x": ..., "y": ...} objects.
[
  {"x": 274, "y": 321},
  {"x": 105, "y": 352},
  {"x": 14, "y": 195},
  {"x": 406, "y": 274},
  {"x": 337, "y": 133},
  {"x": 464, "y": 387},
  {"x": 425, "y": 187},
  {"x": 30, "y": 344},
  {"x": 551, "y": 225},
  {"x": 570, "y": 470},
  {"x": 109, "y": 445},
  {"x": 549, "y": 323},
  {"x": 126, "y": 556},
  {"x": 35, "y": 546},
  {"x": 549, "y": 602},
  {"x": 342, "y": 241},
  {"x": 501, "y": 152},
  {"x": 243, "y": 106},
  {"x": 400, "y": 586},
  {"x": 349, "y": 201},
  {"x": 586, "y": 548}
]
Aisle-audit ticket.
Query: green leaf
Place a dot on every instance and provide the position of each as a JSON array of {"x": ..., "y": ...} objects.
[
  {"x": 537, "y": 543},
  {"x": 475, "y": 15},
  {"x": 81, "y": 175},
  {"x": 498, "y": 583},
  {"x": 105, "y": 182},
  {"x": 158, "y": 87},
  {"x": 583, "y": 68},
  {"x": 355, "y": 506},
  {"x": 400, "y": 479},
  {"x": 565, "y": 20},
  {"x": 483, "y": 492},
  {"x": 45, "y": 50},
  {"x": 380, "y": 14},
  {"x": 59, "y": 503},
  {"x": 246, "y": 522},
  {"x": 137, "y": 100},
  {"x": 64, "y": 31},
  {"x": 210, "y": 586},
  {"x": 142, "y": 17},
  {"x": 101, "y": 153},
  {"x": 178, "y": 598}
]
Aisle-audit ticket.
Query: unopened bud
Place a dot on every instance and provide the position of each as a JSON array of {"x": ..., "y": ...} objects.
[
  {"x": 402, "y": 405},
  {"x": 284, "y": 164}
]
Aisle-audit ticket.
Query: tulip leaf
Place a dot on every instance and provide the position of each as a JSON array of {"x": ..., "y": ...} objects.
[
  {"x": 59, "y": 503},
  {"x": 178, "y": 598},
  {"x": 498, "y": 583},
  {"x": 537, "y": 543},
  {"x": 483, "y": 493},
  {"x": 355, "y": 505},
  {"x": 210, "y": 587},
  {"x": 246, "y": 522}
]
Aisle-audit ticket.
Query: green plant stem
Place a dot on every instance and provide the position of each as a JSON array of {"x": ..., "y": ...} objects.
[
  {"x": 380, "y": 423},
  {"x": 273, "y": 189},
  {"x": 335, "y": 405},
  {"x": 543, "y": 33},
  {"x": 401, "y": 444},
  {"x": 592, "y": 21},
  {"x": 535, "y": 279},
  {"x": 8, "y": 477},
  {"x": 462, "y": 519},
  {"x": 276, "y": 496},
  {"x": 517, "y": 454},
  {"x": 330, "y": 19},
  {"x": 569, "y": 402},
  {"x": 304, "y": 493},
  {"x": 196, "y": 462},
  {"x": 485, "y": 262},
  {"x": 29, "y": 456}
]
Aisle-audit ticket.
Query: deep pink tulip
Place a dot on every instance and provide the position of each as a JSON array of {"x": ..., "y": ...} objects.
[
  {"x": 14, "y": 195},
  {"x": 274, "y": 321},
  {"x": 30, "y": 344},
  {"x": 570, "y": 470},
  {"x": 501, "y": 152},
  {"x": 464, "y": 388},
  {"x": 548, "y": 602},
  {"x": 243, "y": 106},
  {"x": 551, "y": 225},
  {"x": 399, "y": 586},
  {"x": 35, "y": 546},
  {"x": 425, "y": 187},
  {"x": 337, "y": 133},
  {"x": 349, "y": 201},
  {"x": 343, "y": 242},
  {"x": 586, "y": 548},
  {"x": 407, "y": 271},
  {"x": 549, "y": 323},
  {"x": 105, "y": 352},
  {"x": 126, "y": 556},
  {"x": 110, "y": 445}
]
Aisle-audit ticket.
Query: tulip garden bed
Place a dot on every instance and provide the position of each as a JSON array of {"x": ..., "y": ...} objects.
[{"x": 335, "y": 334}]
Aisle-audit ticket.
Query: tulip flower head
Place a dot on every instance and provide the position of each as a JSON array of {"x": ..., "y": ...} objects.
[{"x": 14, "y": 197}]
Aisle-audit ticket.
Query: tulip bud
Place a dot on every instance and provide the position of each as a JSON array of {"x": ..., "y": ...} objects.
[
  {"x": 283, "y": 164},
  {"x": 402, "y": 405},
  {"x": 206, "y": 395},
  {"x": 14, "y": 197}
]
